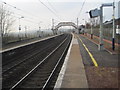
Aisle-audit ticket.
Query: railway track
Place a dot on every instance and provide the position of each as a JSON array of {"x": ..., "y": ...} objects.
[
  {"x": 24, "y": 51},
  {"x": 19, "y": 58},
  {"x": 39, "y": 70}
]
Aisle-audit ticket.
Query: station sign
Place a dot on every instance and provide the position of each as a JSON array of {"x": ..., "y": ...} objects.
[{"x": 94, "y": 13}]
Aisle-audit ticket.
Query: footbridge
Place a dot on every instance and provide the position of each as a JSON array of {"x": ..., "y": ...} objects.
[{"x": 55, "y": 28}]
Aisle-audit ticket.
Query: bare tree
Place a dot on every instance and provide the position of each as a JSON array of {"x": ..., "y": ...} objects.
[{"x": 6, "y": 21}]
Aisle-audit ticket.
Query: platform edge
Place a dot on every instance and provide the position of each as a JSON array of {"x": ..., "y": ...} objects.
[{"x": 63, "y": 69}]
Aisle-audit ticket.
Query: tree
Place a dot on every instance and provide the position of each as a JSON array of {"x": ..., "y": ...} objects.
[{"x": 6, "y": 21}]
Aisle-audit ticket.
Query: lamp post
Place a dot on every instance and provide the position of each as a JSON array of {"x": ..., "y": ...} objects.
[
  {"x": 91, "y": 28},
  {"x": 85, "y": 30},
  {"x": 53, "y": 26},
  {"x": 25, "y": 31},
  {"x": 77, "y": 25},
  {"x": 95, "y": 13},
  {"x": 39, "y": 28},
  {"x": 20, "y": 27},
  {"x": 101, "y": 25},
  {"x": 113, "y": 36},
  {"x": 91, "y": 32},
  {"x": 101, "y": 29}
]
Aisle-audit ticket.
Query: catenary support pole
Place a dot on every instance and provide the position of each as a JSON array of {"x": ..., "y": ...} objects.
[
  {"x": 91, "y": 29},
  {"x": 101, "y": 29},
  {"x": 113, "y": 36},
  {"x": 77, "y": 26}
]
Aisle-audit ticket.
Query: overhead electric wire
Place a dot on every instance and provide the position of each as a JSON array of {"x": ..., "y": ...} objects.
[
  {"x": 19, "y": 9},
  {"x": 11, "y": 6},
  {"x": 29, "y": 13},
  {"x": 51, "y": 6},
  {"x": 81, "y": 8},
  {"x": 26, "y": 20},
  {"x": 49, "y": 9},
  {"x": 23, "y": 16}
]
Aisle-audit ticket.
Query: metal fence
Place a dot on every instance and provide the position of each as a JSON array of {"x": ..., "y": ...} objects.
[{"x": 107, "y": 34}]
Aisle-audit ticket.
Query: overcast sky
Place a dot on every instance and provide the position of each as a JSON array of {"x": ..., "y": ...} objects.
[{"x": 36, "y": 14}]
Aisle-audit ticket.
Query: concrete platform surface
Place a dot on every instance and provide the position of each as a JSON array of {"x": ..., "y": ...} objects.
[{"x": 74, "y": 76}]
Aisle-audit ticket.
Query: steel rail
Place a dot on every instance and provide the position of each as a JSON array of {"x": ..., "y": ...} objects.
[
  {"x": 52, "y": 73},
  {"x": 28, "y": 51},
  {"x": 23, "y": 61},
  {"x": 2, "y": 51},
  {"x": 31, "y": 71}
]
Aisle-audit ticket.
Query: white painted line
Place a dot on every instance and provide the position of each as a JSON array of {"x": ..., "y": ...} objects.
[
  {"x": 63, "y": 69},
  {"x": 28, "y": 43}
]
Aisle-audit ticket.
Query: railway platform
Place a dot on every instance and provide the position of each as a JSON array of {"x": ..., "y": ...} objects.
[
  {"x": 72, "y": 74},
  {"x": 23, "y": 43},
  {"x": 75, "y": 76},
  {"x": 87, "y": 67}
]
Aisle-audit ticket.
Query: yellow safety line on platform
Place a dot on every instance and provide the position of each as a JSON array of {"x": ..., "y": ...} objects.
[{"x": 91, "y": 56}]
